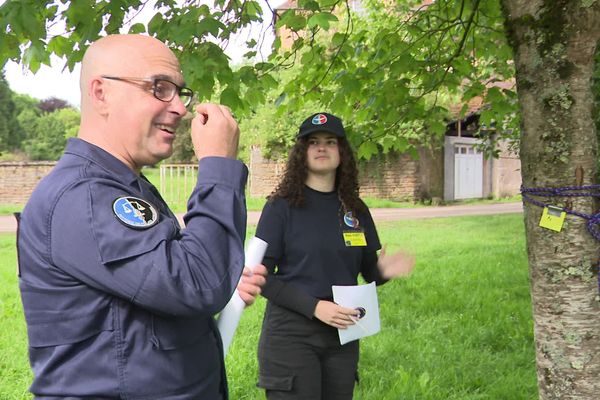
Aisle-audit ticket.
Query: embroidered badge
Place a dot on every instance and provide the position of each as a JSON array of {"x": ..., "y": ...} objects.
[
  {"x": 135, "y": 213},
  {"x": 319, "y": 119},
  {"x": 351, "y": 221}
]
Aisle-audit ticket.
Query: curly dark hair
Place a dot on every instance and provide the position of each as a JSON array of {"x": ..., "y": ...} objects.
[{"x": 296, "y": 171}]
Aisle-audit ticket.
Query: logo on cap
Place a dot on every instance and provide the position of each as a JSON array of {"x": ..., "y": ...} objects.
[
  {"x": 319, "y": 119},
  {"x": 134, "y": 212}
]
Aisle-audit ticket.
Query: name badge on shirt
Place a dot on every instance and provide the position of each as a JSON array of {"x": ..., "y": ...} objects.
[{"x": 353, "y": 238}]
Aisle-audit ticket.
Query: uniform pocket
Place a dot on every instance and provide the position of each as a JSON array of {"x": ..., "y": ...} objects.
[
  {"x": 62, "y": 329},
  {"x": 272, "y": 382},
  {"x": 57, "y": 316}
]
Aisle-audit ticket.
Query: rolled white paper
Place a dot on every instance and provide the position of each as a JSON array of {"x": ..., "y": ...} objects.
[{"x": 230, "y": 316}]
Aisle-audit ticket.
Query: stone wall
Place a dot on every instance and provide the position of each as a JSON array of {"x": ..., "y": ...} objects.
[
  {"x": 264, "y": 174},
  {"x": 394, "y": 177},
  {"x": 506, "y": 176},
  {"x": 431, "y": 174},
  {"x": 391, "y": 177},
  {"x": 18, "y": 179}
]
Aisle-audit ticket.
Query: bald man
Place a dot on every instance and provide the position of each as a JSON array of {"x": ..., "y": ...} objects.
[{"x": 119, "y": 299}]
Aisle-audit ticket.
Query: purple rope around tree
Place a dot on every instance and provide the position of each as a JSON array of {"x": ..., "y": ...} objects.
[{"x": 593, "y": 221}]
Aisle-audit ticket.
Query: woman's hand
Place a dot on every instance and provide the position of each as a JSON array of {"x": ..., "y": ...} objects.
[
  {"x": 394, "y": 265},
  {"x": 335, "y": 315}
]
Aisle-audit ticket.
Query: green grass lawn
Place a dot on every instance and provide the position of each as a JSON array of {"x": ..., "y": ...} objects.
[
  {"x": 460, "y": 328},
  {"x": 15, "y": 376}
]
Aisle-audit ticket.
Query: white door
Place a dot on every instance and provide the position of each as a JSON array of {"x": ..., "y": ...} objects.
[{"x": 468, "y": 172}]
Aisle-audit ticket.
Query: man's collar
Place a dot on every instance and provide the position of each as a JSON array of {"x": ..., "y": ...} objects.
[{"x": 102, "y": 158}]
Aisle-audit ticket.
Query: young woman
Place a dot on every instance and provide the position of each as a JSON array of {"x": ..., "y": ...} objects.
[{"x": 319, "y": 234}]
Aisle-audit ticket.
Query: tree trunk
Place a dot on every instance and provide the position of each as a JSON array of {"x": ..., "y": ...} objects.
[{"x": 554, "y": 42}]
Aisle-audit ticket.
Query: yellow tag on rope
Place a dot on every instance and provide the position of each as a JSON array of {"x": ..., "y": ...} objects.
[{"x": 553, "y": 218}]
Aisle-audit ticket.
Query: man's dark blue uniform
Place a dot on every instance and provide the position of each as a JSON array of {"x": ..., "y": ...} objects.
[{"x": 121, "y": 310}]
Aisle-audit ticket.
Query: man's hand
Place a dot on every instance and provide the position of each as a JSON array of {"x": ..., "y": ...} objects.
[
  {"x": 251, "y": 282},
  {"x": 214, "y": 132},
  {"x": 335, "y": 315}
]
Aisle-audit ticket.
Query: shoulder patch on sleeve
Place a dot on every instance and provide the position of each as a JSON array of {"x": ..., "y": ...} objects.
[{"x": 134, "y": 212}]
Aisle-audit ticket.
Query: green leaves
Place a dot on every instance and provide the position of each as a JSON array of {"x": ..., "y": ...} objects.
[
  {"x": 24, "y": 20},
  {"x": 437, "y": 127},
  {"x": 291, "y": 20},
  {"x": 156, "y": 24},
  {"x": 60, "y": 45},
  {"x": 367, "y": 150},
  {"x": 9, "y": 48},
  {"x": 338, "y": 38},
  {"x": 209, "y": 25},
  {"x": 398, "y": 71},
  {"x": 137, "y": 28},
  {"x": 193, "y": 32},
  {"x": 322, "y": 19},
  {"x": 253, "y": 9},
  {"x": 229, "y": 97},
  {"x": 389, "y": 72},
  {"x": 78, "y": 14},
  {"x": 35, "y": 55}
]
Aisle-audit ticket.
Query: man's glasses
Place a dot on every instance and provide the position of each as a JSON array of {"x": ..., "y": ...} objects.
[{"x": 162, "y": 89}]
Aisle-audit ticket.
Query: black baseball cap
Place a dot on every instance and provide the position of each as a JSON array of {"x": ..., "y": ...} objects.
[{"x": 321, "y": 122}]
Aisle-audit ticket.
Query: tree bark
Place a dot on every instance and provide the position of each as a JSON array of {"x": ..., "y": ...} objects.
[{"x": 554, "y": 43}]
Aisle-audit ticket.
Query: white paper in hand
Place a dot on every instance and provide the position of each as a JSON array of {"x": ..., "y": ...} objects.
[
  {"x": 230, "y": 316},
  {"x": 364, "y": 298}
]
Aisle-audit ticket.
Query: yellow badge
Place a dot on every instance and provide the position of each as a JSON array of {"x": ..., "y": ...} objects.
[
  {"x": 553, "y": 218},
  {"x": 355, "y": 238}
]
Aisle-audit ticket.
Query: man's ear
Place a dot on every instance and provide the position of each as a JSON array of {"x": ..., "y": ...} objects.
[{"x": 98, "y": 95}]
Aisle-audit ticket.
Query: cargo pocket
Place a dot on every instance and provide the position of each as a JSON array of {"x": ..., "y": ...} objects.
[
  {"x": 63, "y": 330},
  {"x": 60, "y": 316},
  {"x": 272, "y": 382}
]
